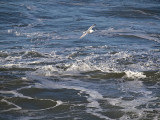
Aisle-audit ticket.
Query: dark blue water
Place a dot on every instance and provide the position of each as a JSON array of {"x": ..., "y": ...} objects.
[{"x": 48, "y": 73}]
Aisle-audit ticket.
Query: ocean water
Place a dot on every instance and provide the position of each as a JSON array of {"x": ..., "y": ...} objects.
[{"x": 48, "y": 73}]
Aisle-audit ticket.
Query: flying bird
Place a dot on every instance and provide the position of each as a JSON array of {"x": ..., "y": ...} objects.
[{"x": 88, "y": 31}]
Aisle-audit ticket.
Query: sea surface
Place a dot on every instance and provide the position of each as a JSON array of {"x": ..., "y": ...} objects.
[{"x": 48, "y": 73}]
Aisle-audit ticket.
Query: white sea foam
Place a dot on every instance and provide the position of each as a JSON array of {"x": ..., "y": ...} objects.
[
  {"x": 65, "y": 69},
  {"x": 130, "y": 106},
  {"x": 107, "y": 63},
  {"x": 11, "y": 65},
  {"x": 120, "y": 55},
  {"x": 24, "y": 78},
  {"x": 92, "y": 98},
  {"x": 18, "y": 33},
  {"x": 144, "y": 97},
  {"x": 16, "y": 107},
  {"x": 126, "y": 31},
  {"x": 96, "y": 113},
  {"x": 47, "y": 70},
  {"x": 134, "y": 75},
  {"x": 15, "y": 94},
  {"x": 144, "y": 36},
  {"x": 11, "y": 58},
  {"x": 141, "y": 11},
  {"x": 58, "y": 104},
  {"x": 93, "y": 107},
  {"x": 36, "y": 34},
  {"x": 80, "y": 67},
  {"x": 102, "y": 62},
  {"x": 10, "y": 30},
  {"x": 112, "y": 31}
]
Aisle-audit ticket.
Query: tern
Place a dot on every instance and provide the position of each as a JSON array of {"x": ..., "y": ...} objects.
[{"x": 88, "y": 31}]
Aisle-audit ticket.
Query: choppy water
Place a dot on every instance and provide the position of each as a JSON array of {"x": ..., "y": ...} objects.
[{"x": 48, "y": 73}]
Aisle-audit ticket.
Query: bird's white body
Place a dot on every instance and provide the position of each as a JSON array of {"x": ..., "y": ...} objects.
[
  {"x": 88, "y": 31},
  {"x": 91, "y": 31}
]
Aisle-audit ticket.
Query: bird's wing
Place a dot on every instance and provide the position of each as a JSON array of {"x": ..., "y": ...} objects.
[
  {"x": 84, "y": 34},
  {"x": 91, "y": 27}
]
